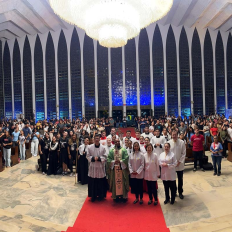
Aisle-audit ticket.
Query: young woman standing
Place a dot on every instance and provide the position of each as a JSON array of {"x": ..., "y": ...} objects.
[{"x": 136, "y": 168}]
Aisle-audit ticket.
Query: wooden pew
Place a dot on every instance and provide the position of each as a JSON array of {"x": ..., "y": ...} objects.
[
  {"x": 28, "y": 150},
  {"x": 1, "y": 165},
  {"x": 229, "y": 157},
  {"x": 14, "y": 155}
]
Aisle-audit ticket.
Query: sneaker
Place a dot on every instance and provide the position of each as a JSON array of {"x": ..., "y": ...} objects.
[
  {"x": 202, "y": 169},
  {"x": 194, "y": 169},
  {"x": 44, "y": 173},
  {"x": 71, "y": 174},
  {"x": 63, "y": 173},
  {"x": 215, "y": 174}
]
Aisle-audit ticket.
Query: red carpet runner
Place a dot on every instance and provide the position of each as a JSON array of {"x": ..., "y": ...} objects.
[{"x": 108, "y": 216}]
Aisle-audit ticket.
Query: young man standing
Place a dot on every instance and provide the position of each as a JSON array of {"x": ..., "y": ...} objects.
[
  {"x": 197, "y": 142},
  {"x": 97, "y": 186}
]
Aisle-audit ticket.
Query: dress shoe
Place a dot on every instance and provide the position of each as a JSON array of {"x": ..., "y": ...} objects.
[
  {"x": 156, "y": 203},
  {"x": 215, "y": 174},
  {"x": 181, "y": 196},
  {"x": 172, "y": 202},
  {"x": 166, "y": 202}
]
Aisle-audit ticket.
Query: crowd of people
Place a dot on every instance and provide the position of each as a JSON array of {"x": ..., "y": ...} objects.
[{"x": 105, "y": 159}]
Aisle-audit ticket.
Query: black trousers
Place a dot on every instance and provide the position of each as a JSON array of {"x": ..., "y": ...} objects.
[
  {"x": 43, "y": 159},
  {"x": 198, "y": 155},
  {"x": 170, "y": 185},
  {"x": 137, "y": 187},
  {"x": 152, "y": 191},
  {"x": 180, "y": 181}
]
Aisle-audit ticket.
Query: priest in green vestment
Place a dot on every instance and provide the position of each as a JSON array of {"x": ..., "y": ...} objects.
[{"x": 117, "y": 163}]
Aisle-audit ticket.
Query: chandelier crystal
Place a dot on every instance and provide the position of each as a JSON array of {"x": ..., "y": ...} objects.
[{"x": 111, "y": 22}]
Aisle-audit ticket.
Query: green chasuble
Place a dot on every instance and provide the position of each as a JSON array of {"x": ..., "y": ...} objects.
[{"x": 118, "y": 174}]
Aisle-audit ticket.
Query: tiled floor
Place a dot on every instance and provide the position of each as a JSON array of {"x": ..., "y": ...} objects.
[{"x": 30, "y": 201}]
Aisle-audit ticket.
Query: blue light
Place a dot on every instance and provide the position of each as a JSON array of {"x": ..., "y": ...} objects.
[{"x": 159, "y": 101}]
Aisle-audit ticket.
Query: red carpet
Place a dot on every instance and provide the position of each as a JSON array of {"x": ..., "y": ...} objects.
[{"x": 108, "y": 216}]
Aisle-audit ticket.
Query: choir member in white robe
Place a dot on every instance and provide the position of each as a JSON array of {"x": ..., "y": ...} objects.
[
  {"x": 142, "y": 145},
  {"x": 137, "y": 135},
  {"x": 108, "y": 146},
  {"x": 136, "y": 168},
  {"x": 129, "y": 148},
  {"x": 168, "y": 162},
  {"x": 128, "y": 135},
  {"x": 126, "y": 143},
  {"x": 103, "y": 138},
  {"x": 179, "y": 149},
  {"x": 158, "y": 143},
  {"x": 146, "y": 133},
  {"x": 152, "y": 173},
  {"x": 97, "y": 184}
]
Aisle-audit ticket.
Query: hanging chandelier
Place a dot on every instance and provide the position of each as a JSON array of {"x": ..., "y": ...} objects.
[{"x": 111, "y": 22}]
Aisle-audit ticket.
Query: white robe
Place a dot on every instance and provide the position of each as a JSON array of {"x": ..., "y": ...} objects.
[
  {"x": 147, "y": 135},
  {"x": 161, "y": 140},
  {"x": 136, "y": 164},
  {"x": 152, "y": 170},
  {"x": 179, "y": 149},
  {"x": 169, "y": 172},
  {"x": 97, "y": 168}
]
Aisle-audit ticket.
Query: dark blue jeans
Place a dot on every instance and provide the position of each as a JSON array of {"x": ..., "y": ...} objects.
[{"x": 217, "y": 163}]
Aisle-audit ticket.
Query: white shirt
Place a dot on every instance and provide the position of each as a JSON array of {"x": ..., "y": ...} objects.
[
  {"x": 179, "y": 149},
  {"x": 110, "y": 136},
  {"x": 97, "y": 168},
  {"x": 167, "y": 137},
  {"x": 108, "y": 148},
  {"x": 136, "y": 164},
  {"x": 147, "y": 135},
  {"x": 152, "y": 170},
  {"x": 229, "y": 131},
  {"x": 161, "y": 140},
  {"x": 82, "y": 148},
  {"x": 132, "y": 139},
  {"x": 169, "y": 172},
  {"x": 129, "y": 151},
  {"x": 142, "y": 148}
]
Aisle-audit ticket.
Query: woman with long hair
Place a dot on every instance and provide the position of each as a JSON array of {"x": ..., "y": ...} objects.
[
  {"x": 83, "y": 162},
  {"x": 72, "y": 152},
  {"x": 53, "y": 157}
]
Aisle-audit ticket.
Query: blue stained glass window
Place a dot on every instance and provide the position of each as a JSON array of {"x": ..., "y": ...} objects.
[
  {"x": 229, "y": 71},
  {"x": 130, "y": 73},
  {"x": 39, "y": 80},
  {"x": 89, "y": 78},
  {"x": 1, "y": 85},
  {"x": 220, "y": 75},
  {"x": 158, "y": 74},
  {"x": 116, "y": 76},
  {"x": 184, "y": 75},
  {"x": 144, "y": 69},
  {"x": 197, "y": 74},
  {"x": 50, "y": 78},
  {"x": 103, "y": 77},
  {"x": 7, "y": 81},
  {"x": 17, "y": 79},
  {"x": 209, "y": 76},
  {"x": 27, "y": 79},
  {"x": 171, "y": 74},
  {"x": 75, "y": 63},
  {"x": 63, "y": 76}
]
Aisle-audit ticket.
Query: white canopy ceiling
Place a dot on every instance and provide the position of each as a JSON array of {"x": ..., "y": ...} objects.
[{"x": 20, "y": 17}]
